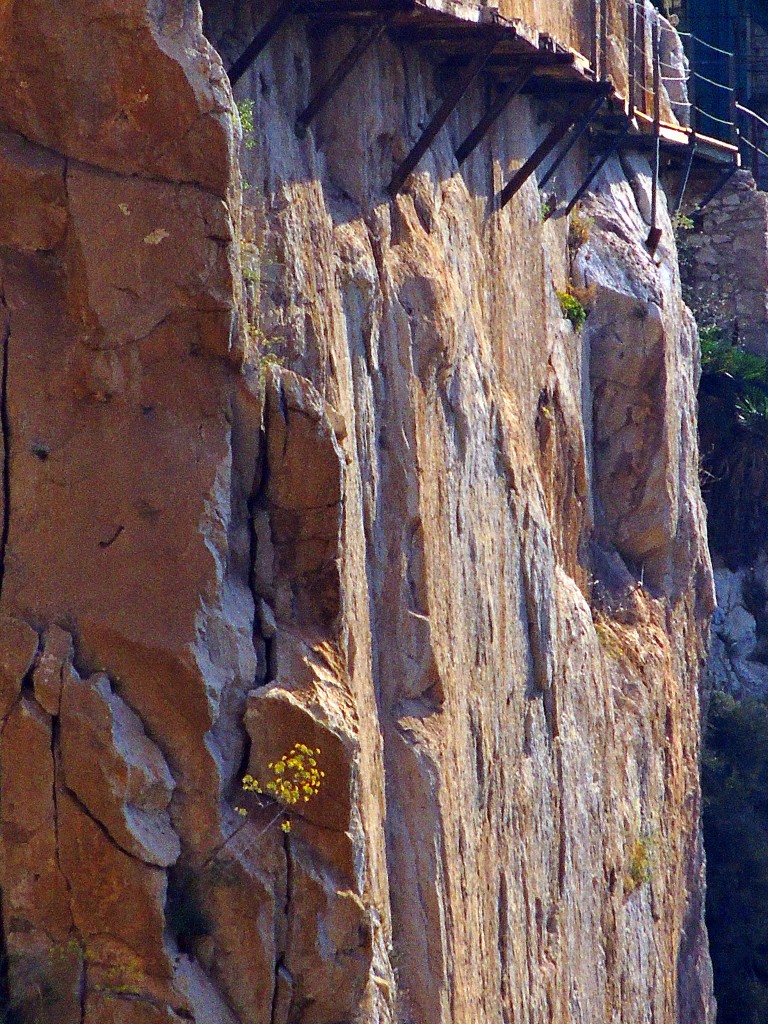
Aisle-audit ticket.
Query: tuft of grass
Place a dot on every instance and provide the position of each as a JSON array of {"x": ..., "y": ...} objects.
[
  {"x": 639, "y": 863},
  {"x": 546, "y": 206},
  {"x": 682, "y": 222},
  {"x": 572, "y": 308},
  {"x": 733, "y": 427},
  {"x": 245, "y": 110},
  {"x": 579, "y": 228}
]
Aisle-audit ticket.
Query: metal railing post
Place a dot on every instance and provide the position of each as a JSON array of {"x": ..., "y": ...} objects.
[
  {"x": 733, "y": 99},
  {"x": 631, "y": 55},
  {"x": 654, "y": 236},
  {"x": 692, "y": 82},
  {"x": 603, "y": 40}
]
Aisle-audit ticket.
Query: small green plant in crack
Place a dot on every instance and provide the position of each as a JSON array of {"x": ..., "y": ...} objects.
[
  {"x": 547, "y": 205},
  {"x": 639, "y": 863},
  {"x": 572, "y": 309},
  {"x": 245, "y": 110},
  {"x": 249, "y": 262},
  {"x": 682, "y": 222}
]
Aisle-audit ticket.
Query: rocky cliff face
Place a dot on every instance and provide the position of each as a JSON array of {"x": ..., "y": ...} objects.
[{"x": 333, "y": 469}]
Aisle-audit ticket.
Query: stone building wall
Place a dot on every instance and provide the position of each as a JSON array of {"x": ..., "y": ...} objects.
[{"x": 724, "y": 263}]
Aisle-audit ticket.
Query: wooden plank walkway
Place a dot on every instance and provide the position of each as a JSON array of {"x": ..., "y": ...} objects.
[{"x": 517, "y": 57}]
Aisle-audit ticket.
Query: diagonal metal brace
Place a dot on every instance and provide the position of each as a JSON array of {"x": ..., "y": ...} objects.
[
  {"x": 328, "y": 88},
  {"x": 724, "y": 179},
  {"x": 600, "y": 163},
  {"x": 455, "y": 93},
  {"x": 541, "y": 152},
  {"x": 494, "y": 112},
  {"x": 692, "y": 146},
  {"x": 262, "y": 39},
  {"x": 577, "y": 132}
]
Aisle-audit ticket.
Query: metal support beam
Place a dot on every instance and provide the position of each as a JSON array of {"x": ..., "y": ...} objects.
[
  {"x": 641, "y": 71},
  {"x": 734, "y": 109},
  {"x": 343, "y": 69},
  {"x": 686, "y": 175},
  {"x": 631, "y": 56},
  {"x": 455, "y": 93},
  {"x": 725, "y": 178},
  {"x": 492, "y": 114},
  {"x": 577, "y": 132},
  {"x": 600, "y": 163},
  {"x": 595, "y": 54},
  {"x": 541, "y": 152},
  {"x": 691, "y": 84},
  {"x": 262, "y": 39},
  {"x": 654, "y": 235}
]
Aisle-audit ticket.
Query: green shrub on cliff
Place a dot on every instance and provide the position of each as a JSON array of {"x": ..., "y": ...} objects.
[
  {"x": 245, "y": 110},
  {"x": 572, "y": 309},
  {"x": 735, "y": 789},
  {"x": 733, "y": 430}
]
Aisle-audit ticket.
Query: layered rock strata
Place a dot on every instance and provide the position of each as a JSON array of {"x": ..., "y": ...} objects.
[{"x": 333, "y": 470}]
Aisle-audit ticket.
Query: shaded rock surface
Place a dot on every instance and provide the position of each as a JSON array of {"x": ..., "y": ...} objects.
[{"x": 333, "y": 470}]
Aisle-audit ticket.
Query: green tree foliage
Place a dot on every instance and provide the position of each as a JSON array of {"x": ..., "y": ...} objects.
[
  {"x": 733, "y": 429},
  {"x": 735, "y": 787}
]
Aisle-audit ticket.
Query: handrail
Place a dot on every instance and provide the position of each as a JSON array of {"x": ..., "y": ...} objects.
[{"x": 717, "y": 102}]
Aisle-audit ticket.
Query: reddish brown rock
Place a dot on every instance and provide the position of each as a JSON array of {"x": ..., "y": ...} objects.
[
  {"x": 415, "y": 526},
  {"x": 48, "y": 677},
  {"x": 33, "y": 202},
  {"x": 111, "y": 85},
  {"x": 43, "y": 949},
  {"x": 117, "y": 903},
  {"x": 18, "y": 646},
  {"x": 123, "y": 780}
]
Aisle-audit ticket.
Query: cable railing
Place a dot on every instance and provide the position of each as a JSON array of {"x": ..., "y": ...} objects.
[{"x": 672, "y": 72}]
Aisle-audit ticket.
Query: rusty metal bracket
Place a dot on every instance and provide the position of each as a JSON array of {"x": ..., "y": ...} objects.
[
  {"x": 692, "y": 144},
  {"x": 599, "y": 164},
  {"x": 724, "y": 179},
  {"x": 541, "y": 152},
  {"x": 577, "y": 132},
  {"x": 654, "y": 235},
  {"x": 455, "y": 93},
  {"x": 340, "y": 73},
  {"x": 492, "y": 114},
  {"x": 262, "y": 39}
]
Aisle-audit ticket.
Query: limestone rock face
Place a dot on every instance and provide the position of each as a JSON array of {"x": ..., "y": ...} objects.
[{"x": 334, "y": 470}]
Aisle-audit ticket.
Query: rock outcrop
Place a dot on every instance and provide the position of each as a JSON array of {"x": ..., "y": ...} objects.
[{"x": 333, "y": 470}]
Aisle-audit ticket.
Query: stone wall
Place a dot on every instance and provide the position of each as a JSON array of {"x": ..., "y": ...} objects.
[{"x": 724, "y": 263}]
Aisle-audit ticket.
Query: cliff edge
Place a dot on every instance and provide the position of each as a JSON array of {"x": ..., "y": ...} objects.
[{"x": 287, "y": 461}]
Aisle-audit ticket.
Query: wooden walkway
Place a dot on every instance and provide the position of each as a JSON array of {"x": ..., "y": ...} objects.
[{"x": 517, "y": 58}]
